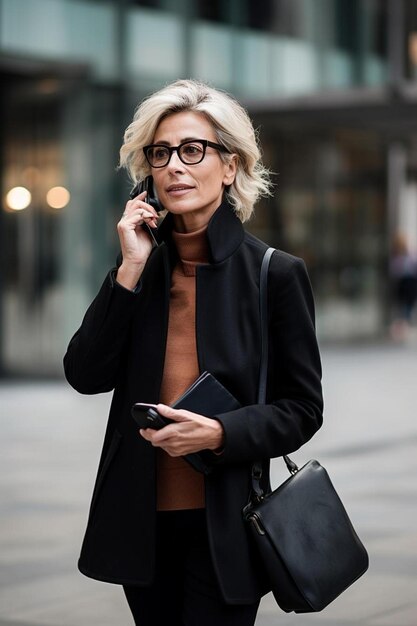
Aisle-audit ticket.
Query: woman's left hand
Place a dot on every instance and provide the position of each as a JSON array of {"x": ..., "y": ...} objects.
[{"x": 190, "y": 433}]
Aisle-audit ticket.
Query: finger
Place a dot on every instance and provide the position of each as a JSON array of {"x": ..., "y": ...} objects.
[
  {"x": 142, "y": 214},
  {"x": 149, "y": 220},
  {"x": 140, "y": 201},
  {"x": 139, "y": 211},
  {"x": 178, "y": 415},
  {"x": 146, "y": 208},
  {"x": 159, "y": 438},
  {"x": 147, "y": 433},
  {"x": 133, "y": 202},
  {"x": 139, "y": 216},
  {"x": 140, "y": 196}
]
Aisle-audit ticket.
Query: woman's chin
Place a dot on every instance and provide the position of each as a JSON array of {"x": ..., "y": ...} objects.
[{"x": 178, "y": 208}]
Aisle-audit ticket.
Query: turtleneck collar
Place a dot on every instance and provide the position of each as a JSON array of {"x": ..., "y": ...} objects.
[
  {"x": 192, "y": 249},
  {"x": 224, "y": 233}
]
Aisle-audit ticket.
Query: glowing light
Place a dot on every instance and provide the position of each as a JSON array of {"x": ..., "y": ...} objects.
[
  {"x": 18, "y": 198},
  {"x": 58, "y": 197},
  {"x": 412, "y": 48}
]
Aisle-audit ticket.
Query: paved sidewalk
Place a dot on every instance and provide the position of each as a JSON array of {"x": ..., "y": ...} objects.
[{"x": 50, "y": 439}]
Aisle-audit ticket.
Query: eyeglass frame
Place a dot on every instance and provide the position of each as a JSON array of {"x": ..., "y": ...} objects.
[{"x": 204, "y": 142}]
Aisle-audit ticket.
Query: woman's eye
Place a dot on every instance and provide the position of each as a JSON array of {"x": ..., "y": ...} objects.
[
  {"x": 192, "y": 148},
  {"x": 160, "y": 153}
]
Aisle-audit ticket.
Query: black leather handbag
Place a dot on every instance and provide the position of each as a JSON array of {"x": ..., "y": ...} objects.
[{"x": 304, "y": 537}]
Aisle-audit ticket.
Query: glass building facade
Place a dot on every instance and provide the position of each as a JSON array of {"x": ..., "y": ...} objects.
[{"x": 331, "y": 84}]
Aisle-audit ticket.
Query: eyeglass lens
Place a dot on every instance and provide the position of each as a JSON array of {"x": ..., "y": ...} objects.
[{"x": 190, "y": 152}]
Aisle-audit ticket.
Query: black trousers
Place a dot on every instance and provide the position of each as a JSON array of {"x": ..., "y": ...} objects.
[{"x": 185, "y": 591}]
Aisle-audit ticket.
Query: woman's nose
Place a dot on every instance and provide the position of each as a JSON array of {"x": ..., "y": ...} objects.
[{"x": 175, "y": 162}]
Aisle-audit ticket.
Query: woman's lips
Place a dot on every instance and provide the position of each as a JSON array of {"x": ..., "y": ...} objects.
[{"x": 179, "y": 190}]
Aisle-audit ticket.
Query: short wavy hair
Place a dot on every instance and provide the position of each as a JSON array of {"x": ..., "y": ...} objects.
[{"x": 232, "y": 127}]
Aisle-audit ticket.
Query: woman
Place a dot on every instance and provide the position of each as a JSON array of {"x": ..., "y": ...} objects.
[
  {"x": 174, "y": 538},
  {"x": 403, "y": 268}
]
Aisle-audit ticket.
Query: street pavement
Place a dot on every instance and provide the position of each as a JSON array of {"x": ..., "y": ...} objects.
[{"x": 50, "y": 440}]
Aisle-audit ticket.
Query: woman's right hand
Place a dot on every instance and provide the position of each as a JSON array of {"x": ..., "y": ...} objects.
[{"x": 135, "y": 242}]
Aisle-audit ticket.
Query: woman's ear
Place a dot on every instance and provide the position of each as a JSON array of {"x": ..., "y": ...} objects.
[{"x": 230, "y": 170}]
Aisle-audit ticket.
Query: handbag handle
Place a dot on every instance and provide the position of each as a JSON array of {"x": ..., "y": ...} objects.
[{"x": 263, "y": 369}]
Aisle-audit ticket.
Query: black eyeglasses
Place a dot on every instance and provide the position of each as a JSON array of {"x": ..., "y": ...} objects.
[{"x": 189, "y": 152}]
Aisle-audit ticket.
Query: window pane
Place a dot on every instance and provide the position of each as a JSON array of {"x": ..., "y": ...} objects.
[{"x": 154, "y": 44}]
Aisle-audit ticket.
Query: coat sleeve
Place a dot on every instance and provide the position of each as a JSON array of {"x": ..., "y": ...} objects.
[
  {"x": 93, "y": 356},
  {"x": 293, "y": 412}
]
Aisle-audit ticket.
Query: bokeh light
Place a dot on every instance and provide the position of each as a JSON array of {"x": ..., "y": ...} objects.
[
  {"x": 58, "y": 197},
  {"x": 412, "y": 48},
  {"x": 18, "y": 198}
]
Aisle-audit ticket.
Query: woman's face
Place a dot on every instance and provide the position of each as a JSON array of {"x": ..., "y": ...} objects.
[{"x": 191, "y": 192}]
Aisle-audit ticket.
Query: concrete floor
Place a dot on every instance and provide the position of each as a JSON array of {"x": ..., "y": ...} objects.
[{"x": 50, "y": 439}]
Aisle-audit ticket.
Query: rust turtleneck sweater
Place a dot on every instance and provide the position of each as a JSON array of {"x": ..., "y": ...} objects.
[{"x": 179, "y": 486}]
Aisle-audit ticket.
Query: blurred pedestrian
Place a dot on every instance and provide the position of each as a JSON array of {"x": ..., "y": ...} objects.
[
  {"x": 403, "y": 269},
  {"x": 173, "y": 537}
]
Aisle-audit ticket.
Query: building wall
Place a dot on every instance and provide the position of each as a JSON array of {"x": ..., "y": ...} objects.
[{"x": 75, "y": 70}]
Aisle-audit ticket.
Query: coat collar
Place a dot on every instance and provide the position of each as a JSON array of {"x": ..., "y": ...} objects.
[{"x": 225, "y": 232}]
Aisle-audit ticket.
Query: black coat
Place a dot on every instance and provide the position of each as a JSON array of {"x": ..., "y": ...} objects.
[{"x": 121, "y": 345}]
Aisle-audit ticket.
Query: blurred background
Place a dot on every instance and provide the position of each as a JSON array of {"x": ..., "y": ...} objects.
[{"x": 331, "y": 85}]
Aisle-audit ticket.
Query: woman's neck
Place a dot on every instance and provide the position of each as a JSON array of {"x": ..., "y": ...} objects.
[{"x": 193, "y": 221}]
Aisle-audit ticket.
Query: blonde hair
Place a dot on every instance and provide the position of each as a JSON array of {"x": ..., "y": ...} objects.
[{"x": 231, "y": 124}]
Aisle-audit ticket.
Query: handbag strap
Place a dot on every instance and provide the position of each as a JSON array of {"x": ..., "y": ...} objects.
[
  {"x": 263, "y": 369},
  {"x": 263, "y": 308}
]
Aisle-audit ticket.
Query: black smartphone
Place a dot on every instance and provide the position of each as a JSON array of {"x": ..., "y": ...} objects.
[
  {"x": 151, "y": 195},
  {"x": 151, "y": 198},
  {"x": 146, "y": 416}
]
